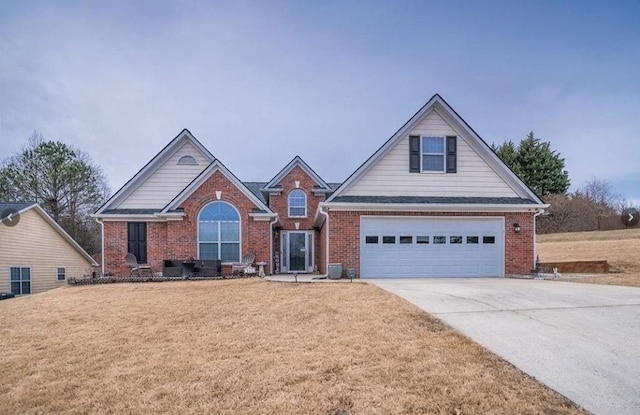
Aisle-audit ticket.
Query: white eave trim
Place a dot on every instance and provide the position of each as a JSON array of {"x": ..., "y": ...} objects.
[
  {"x": 262, "y": 216},
  {"x": 297, "y": 160},
  {"x": 431, "y": 207},
  {"x": 150, "y": 217}
]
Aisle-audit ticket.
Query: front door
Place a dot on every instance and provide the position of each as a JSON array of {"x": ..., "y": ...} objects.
[{"x": 297, "y": 251}]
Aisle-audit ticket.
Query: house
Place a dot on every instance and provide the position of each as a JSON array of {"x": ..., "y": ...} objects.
[
  {"x": 37, "y": 254},
  {"x": 433, "y": 201}
]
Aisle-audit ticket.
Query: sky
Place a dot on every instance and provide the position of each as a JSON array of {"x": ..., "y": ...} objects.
[{"x": 259, "y": 82}]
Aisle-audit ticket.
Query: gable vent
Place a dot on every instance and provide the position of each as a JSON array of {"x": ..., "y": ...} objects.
[{"x": 188, "y": 161}]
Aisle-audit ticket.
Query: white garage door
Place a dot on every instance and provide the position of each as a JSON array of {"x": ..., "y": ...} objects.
[{"x": 431, "y": 247}]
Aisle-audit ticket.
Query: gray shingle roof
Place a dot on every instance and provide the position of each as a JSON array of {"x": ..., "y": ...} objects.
[
  {"x": 435, "y": 200},
  {"x": 131, "y": 211},
  {"x": 14, "y": 205},
  {"x": 255, "y": 187}
]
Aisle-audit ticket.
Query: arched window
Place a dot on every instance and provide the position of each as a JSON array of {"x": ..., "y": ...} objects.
[
  {"x": 187, "y": 160},
  {"x": 219, "y": 232},
  {"x": 297, "y": 203}
]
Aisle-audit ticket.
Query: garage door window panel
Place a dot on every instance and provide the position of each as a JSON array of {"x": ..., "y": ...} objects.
[
  {"x": 439, "y": 240},
  {"x": 371, "y": 239},
  {"x": 455, "y": 240},
  {"x": 489, "y": 240},
  {"x": 422, "y": 239},
  {"x": 406, "y": 239},
  {"x": 472, "y": 240},
  {"x": 388, "y": 239}
]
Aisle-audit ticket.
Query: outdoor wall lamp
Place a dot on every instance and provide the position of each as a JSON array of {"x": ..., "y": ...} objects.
[{"x": 516, "y": 227}]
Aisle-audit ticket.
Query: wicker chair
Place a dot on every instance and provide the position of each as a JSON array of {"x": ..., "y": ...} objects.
[{"x": 132, "y": 262}]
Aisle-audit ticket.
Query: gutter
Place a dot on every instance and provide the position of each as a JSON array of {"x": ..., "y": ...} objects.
[
  {"x": 321, "y": 211},
  {"x": 432, "y": 207},
  {"x": 535, "y": 235}
]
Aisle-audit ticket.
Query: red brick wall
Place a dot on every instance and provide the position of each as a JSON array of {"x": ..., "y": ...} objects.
[
  {"x": 179, "y": 239},
  {"x": 344, "y": 237},
  {"x": 280, "y": 204}
]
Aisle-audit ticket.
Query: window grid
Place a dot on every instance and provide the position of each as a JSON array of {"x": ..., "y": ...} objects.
[
  {"x": 433, "y": 154},
  {"x": 20, "y": 280},
  {"x": 297, "y": 204},
  {"x": 219, "y": 232},
  {"x": 61, "y": 273}
]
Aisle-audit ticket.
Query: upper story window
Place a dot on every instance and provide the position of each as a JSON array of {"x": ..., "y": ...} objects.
[
  {"x": 187, "y": 160},
  {"x": 433, "y": 156},
  {"x": 219, "y": 232},
  {"x": 297, "y": 203}
]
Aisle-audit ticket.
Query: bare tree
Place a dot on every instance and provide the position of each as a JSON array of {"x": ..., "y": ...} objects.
[{"x": 601, "y": 193}]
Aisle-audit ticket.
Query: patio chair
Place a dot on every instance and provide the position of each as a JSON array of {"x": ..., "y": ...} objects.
[
  {"x": 244, "y": 265},
  {"x": 132, "y": 262}
]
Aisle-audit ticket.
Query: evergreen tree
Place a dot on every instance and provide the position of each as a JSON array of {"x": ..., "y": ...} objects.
[{"x": 537, "y": 165}]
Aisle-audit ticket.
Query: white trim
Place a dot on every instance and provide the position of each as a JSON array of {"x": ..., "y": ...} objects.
[
  {"x": 30, "y": 279},
  {"x": 219, "y": 235},
  {"x": 430, "y": 207},
  {"x": 309, "y": 260},
  {"x": 444, "y": 154},
  {"x": 214, "y": 167},
  {"x": 437, "y": 104},
  {"x": 297, "y": 190},
  {"x": 65, "y": 274},
  {"x": 297, "y": 161},
  {"x": 145, "y": 172}
]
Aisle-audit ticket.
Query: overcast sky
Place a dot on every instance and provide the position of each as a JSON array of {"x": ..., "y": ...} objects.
[{"x": 260, "y": 82}]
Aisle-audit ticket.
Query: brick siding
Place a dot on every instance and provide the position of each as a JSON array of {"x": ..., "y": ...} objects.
[
  {"x": 345, "y": 237},
  {"x": 179, "y": 239}
]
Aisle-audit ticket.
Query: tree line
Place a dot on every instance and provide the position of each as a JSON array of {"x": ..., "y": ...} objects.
[
  {"x": 63, "y": 180},
  {"x": 543, "y": 170}
]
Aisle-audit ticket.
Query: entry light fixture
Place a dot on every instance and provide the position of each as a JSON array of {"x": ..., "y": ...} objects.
[{"x": 516, "y": 227}]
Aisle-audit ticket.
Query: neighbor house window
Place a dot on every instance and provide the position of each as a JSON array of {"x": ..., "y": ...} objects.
[
  {"x": 433, "y": 154},
  {"x": 20, "y": 280},
  {"x": 62, "y": 274},
  {"x": 297, "y": 203},
  {"x": 137, "y": 240},
  {"x": 219, "y": 232}
]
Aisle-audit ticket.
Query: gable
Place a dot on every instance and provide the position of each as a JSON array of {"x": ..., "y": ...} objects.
[
  {"x": 297, "y": 165},
  {"x": 390, "y": 176},
  {"x": 216, "y": 168},
  {"x": 476, "y": 171},
  {"x": 167, "y": 181},
  {"x": 161, "y": 178}
]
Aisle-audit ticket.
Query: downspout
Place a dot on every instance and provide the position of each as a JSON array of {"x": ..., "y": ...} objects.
[
  {"x": 535, "y": 233},
  {"x": 101, "y": 244},
  {"x": 326, "y": 223},
  {"x": 271, "y": 261}
]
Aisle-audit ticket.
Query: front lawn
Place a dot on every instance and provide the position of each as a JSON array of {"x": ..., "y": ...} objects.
[{"x": 248, "y": 347}]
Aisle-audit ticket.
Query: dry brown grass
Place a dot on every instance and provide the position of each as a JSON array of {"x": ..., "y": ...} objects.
[
  {"x": 620, "y": 248},
  {"x": 248, "y": 346}
]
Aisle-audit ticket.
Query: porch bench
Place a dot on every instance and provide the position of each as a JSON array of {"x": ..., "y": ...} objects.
[{"x": 201, "y": 268}]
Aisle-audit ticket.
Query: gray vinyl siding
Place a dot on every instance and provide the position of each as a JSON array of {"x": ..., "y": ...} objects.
[{"x": 167, "y": 181}]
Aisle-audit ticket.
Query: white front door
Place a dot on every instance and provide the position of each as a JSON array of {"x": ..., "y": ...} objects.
[{"x": 297, "y": 251}]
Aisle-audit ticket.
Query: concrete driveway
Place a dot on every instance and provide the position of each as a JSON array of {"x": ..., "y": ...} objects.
[{"x": 582, "y": 340}]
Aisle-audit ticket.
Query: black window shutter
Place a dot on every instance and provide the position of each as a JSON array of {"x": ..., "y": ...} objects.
[
  {"x": 452, "y": 157},
  {"x": 414, "y": 154}
]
